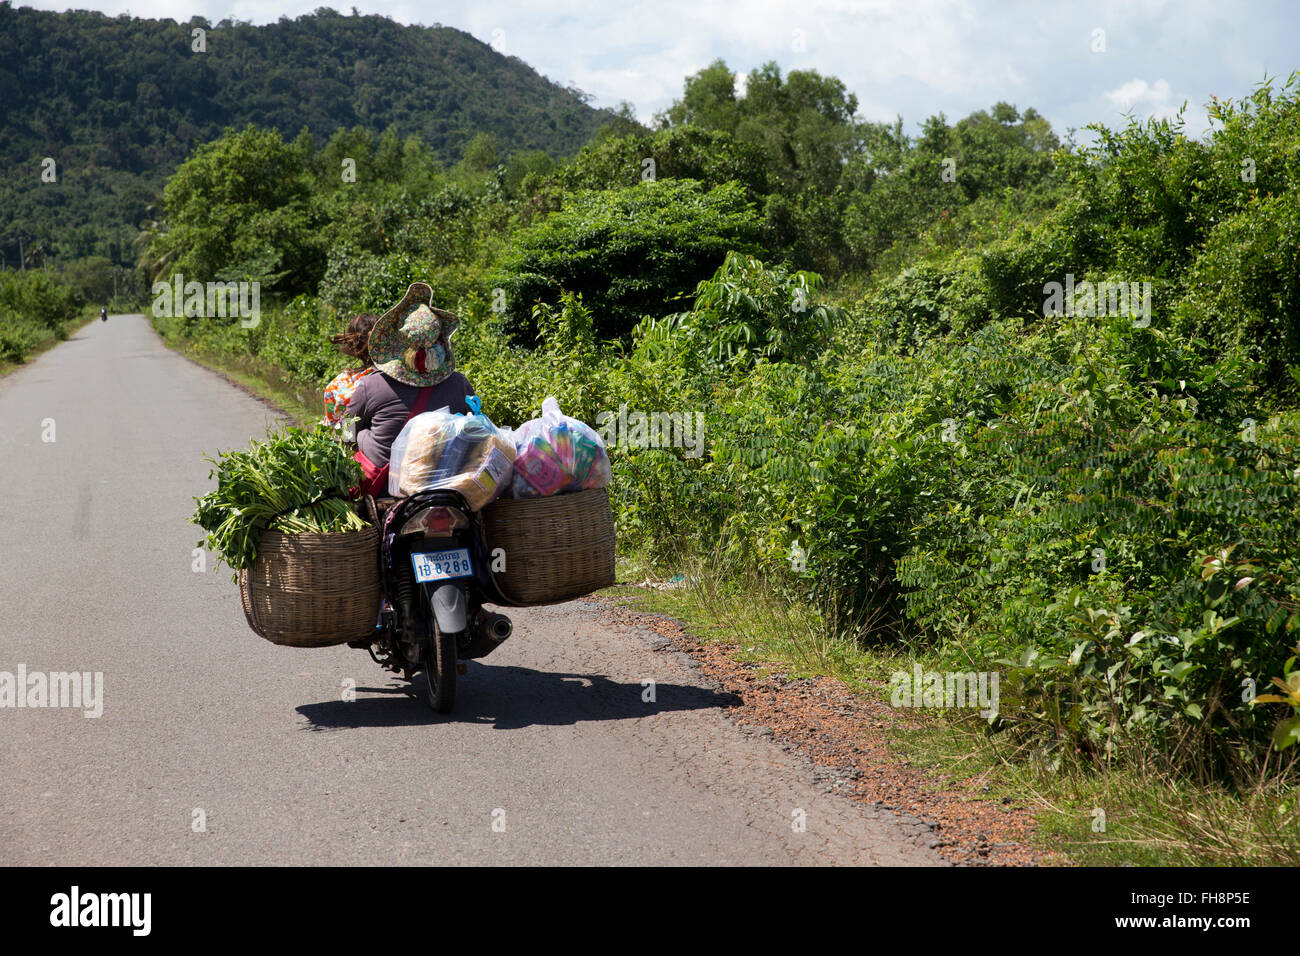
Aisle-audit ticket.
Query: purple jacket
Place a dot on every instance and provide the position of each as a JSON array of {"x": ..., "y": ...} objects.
[{"x": 381, "y": 405}]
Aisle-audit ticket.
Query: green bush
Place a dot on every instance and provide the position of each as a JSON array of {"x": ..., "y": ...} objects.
[
  {"x": 1245, "y": 287},
  {"x": 41, "y": 297},
  {"x": 924, "y": 302},
  {"x": 19, "y": 338},
  {"x": 628, "y": 252},
  {"x": 1071, "y": 547},
  {"x": 711, "y": 157},
  {"x": 746, "y": 310},
  {"x": 298, "y": 339}
]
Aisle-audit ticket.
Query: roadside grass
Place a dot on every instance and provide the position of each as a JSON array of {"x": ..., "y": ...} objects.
[
  {"x": 303, "y": 405},
  {"x": 51, "y": 338},
  {"x": 1132, "y": 811},
  {"x": 1155, "y": 818}
]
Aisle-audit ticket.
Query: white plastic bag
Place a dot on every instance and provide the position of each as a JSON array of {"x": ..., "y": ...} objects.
[{"x": 464, "y": 453}]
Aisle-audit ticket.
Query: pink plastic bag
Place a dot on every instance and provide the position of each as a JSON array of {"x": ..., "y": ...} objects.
[{"x": 555, "y": 454}]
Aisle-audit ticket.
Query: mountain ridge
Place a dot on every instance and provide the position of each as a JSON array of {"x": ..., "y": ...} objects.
[{"x": 119, "y": 102}]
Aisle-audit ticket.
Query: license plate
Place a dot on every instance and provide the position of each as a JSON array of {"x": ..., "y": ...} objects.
[{"x": 442, "y": 565}]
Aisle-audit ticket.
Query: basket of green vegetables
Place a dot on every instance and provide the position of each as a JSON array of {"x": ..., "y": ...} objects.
[{"x": 282, "y": 518}]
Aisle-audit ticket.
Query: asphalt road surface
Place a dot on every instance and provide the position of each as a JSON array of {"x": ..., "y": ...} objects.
[{"x": 216, "y": 747}]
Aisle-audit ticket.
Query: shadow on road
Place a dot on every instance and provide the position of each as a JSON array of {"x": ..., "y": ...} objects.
[{"x": 509, "y": 698}]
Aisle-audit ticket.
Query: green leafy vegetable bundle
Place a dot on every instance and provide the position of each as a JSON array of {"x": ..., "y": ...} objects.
[{"x": 295, "y": 482}]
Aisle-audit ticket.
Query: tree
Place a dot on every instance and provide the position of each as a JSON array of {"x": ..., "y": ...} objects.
[
  {"x": 622, "y": 122},
  {"x": 238, "y": 209},
  {"x": 708, "y": 100},
  {"x": 805, "y": 129},
  {"x": 480, "y": 154},
  {"x": 628, "y": 252},
  {"x": 92, "y": 277}
]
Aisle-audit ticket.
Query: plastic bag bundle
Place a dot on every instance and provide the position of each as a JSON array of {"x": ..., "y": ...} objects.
[
  {"x": 555, "y": 454},
  {"x": 464, "y": 453}
]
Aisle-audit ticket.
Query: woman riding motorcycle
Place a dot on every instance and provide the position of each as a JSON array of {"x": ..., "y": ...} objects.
[{"x": 415, "y": 372}]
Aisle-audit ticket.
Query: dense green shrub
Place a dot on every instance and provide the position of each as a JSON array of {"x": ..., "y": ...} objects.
[
  {"x": 924, "y": 302},
  {"x": 359, "y": 282},
  {"x": 1071, "y": 549},
  {"x": 712, "y": 157},
  {"x": 297, "y": 338},
  {"x": 19, "y": 338},
  {"x": 628, "y": 252},
  {"x": 40, "y": 297},
  {"x": 745, "y": 310},
  {"x": 1244, "y": 290}
]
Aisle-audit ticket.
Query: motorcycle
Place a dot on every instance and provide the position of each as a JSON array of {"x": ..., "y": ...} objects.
[
  {"x": 436, "y": 574},
  {"x": 103, "y": 315}
]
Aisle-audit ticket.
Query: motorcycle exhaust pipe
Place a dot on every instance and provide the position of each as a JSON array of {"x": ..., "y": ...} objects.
[
  {"x": 497, "y": 627},
  {"x": 490, "y": 632}
]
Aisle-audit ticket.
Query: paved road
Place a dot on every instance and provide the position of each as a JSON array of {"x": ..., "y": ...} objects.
[{"x": 551, "y": 737}]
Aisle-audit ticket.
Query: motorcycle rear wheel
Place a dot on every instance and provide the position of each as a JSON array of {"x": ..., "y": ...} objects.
[{"x": 440, "y": 671}]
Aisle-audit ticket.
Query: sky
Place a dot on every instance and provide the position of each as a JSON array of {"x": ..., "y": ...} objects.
[{"x": 1075, "y": 62}]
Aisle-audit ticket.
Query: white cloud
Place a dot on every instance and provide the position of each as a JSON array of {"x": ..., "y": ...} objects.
[
  {"x": 1146, "y": 101},
  {"x": 1153, "y": 98}
]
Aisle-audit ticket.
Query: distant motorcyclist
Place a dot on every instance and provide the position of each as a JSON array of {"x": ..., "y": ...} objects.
[{"x": 103, "y": 315}]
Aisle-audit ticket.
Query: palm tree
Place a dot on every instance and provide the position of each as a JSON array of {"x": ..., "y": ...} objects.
[{"x": 156, "y": 254}]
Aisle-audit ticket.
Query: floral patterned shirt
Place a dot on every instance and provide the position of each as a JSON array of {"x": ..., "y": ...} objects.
[{"x": 338, "y": 393}]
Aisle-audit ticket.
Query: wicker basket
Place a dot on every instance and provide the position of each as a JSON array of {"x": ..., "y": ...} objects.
[
  {"x": 556, "y": 549},
  {"x": 313, "y": 590}
]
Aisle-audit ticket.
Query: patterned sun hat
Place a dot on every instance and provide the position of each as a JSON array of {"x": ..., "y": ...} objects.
[{"x": 411, "y": 341}]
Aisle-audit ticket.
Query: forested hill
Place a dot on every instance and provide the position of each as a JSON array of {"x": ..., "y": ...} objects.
[{"x": 118, "y": 102}]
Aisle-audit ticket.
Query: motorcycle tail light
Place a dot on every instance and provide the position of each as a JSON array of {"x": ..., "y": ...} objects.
[{"x": 436, "y": 522}]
